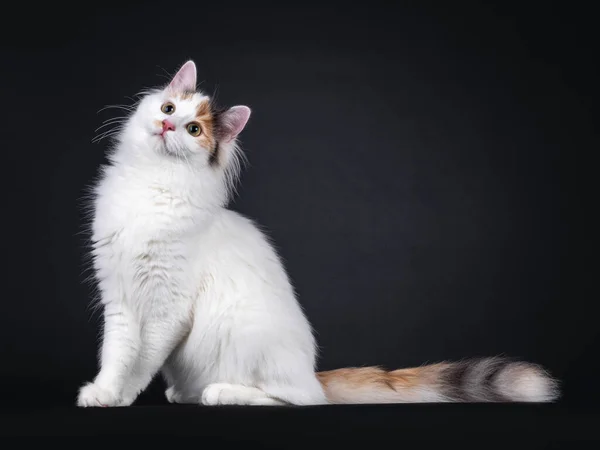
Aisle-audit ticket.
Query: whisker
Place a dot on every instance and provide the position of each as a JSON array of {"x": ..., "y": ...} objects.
[
  {"x": 135, "y": 102},
  {"x": 124, "y": 107},
  {"x": 116, "y": 118},
  {"x": 108, "y": 124},
  {"x": 106, "y": 134}
]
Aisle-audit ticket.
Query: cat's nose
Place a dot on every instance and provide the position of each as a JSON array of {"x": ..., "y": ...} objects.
[{"x": 167, "y": 126}]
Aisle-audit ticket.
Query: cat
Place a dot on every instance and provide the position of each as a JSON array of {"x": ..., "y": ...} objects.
[{"x": 195, "y": 292}]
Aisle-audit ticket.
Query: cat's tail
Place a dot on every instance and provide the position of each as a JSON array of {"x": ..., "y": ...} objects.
[{"x": 493, "y": 379}]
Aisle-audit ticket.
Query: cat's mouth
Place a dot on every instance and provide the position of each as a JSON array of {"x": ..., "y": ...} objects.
[
  {"x": 165, "y": 140},
  {"x": 166, "y": 144}
]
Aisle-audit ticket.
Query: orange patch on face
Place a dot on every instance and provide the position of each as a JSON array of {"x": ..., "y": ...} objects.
[{"x": 205, "y": 118}]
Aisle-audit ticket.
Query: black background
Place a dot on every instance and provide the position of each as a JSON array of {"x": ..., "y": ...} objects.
[{"x": 419, "y": 167}]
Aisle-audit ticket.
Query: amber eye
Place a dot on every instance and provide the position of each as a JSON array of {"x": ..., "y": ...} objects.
[
  {"x": 168, "y": 108},
  {"x": 193, "y": 128}
]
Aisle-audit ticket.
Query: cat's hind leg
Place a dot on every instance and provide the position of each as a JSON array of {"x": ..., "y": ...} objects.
[{"x": 237, "y": 394}]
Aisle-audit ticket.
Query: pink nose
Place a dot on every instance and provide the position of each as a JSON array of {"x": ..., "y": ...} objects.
[{"x": 167, "y": 126}]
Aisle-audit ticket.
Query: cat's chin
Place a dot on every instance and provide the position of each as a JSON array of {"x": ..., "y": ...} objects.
[
  {"x": 158, "y": 141},
  {"x": 164, "y": 148}
]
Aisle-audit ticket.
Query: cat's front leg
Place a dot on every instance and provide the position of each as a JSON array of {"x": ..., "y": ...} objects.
[
  {"x": 120, "y": 350},
  {"x": 160, "y": 336}
]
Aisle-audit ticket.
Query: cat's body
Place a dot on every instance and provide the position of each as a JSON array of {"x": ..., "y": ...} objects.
[
  {"x": 197, "y": 292},
  {"x": 214, "y": 282}
]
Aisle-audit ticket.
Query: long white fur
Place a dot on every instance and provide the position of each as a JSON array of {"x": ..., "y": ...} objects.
[
  {"x": 196, "y": 292},
  {"x": 189, "y": 288}
]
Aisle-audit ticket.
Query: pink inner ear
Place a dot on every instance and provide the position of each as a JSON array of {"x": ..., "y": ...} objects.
[
  {"x": 234, "y": 120},
  {"x": 185, "y": 78}
]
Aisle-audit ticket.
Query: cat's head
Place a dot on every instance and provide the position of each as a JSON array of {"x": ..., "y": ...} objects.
[{"x": 181, "y": 124}]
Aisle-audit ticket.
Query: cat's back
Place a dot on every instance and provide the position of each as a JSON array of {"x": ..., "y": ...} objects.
[
  {"x": 232, "y": 231},
  {"x": 237, "y": 244}
]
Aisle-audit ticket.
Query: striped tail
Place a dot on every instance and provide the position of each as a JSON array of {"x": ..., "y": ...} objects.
[{"x": 474, "y": 380}]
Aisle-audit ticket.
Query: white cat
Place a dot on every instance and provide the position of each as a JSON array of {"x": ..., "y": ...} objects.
[{"x": 195, "y": 292}]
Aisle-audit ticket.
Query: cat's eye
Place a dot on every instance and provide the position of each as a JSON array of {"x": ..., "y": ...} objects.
[
  {"x": 194, "y": 129},
  {"x": 168, "y": 108}
]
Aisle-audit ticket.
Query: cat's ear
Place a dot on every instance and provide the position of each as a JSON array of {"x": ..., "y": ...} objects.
[
  {"x": 185, "y": 78},
  {"x": 233, "y": 121}
]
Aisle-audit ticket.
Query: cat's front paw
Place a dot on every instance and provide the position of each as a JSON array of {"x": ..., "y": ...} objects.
[{"x": 92, "y": 395}]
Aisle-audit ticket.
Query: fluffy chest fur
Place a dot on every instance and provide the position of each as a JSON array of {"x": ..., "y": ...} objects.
[{"x": 145, "y": 236}]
